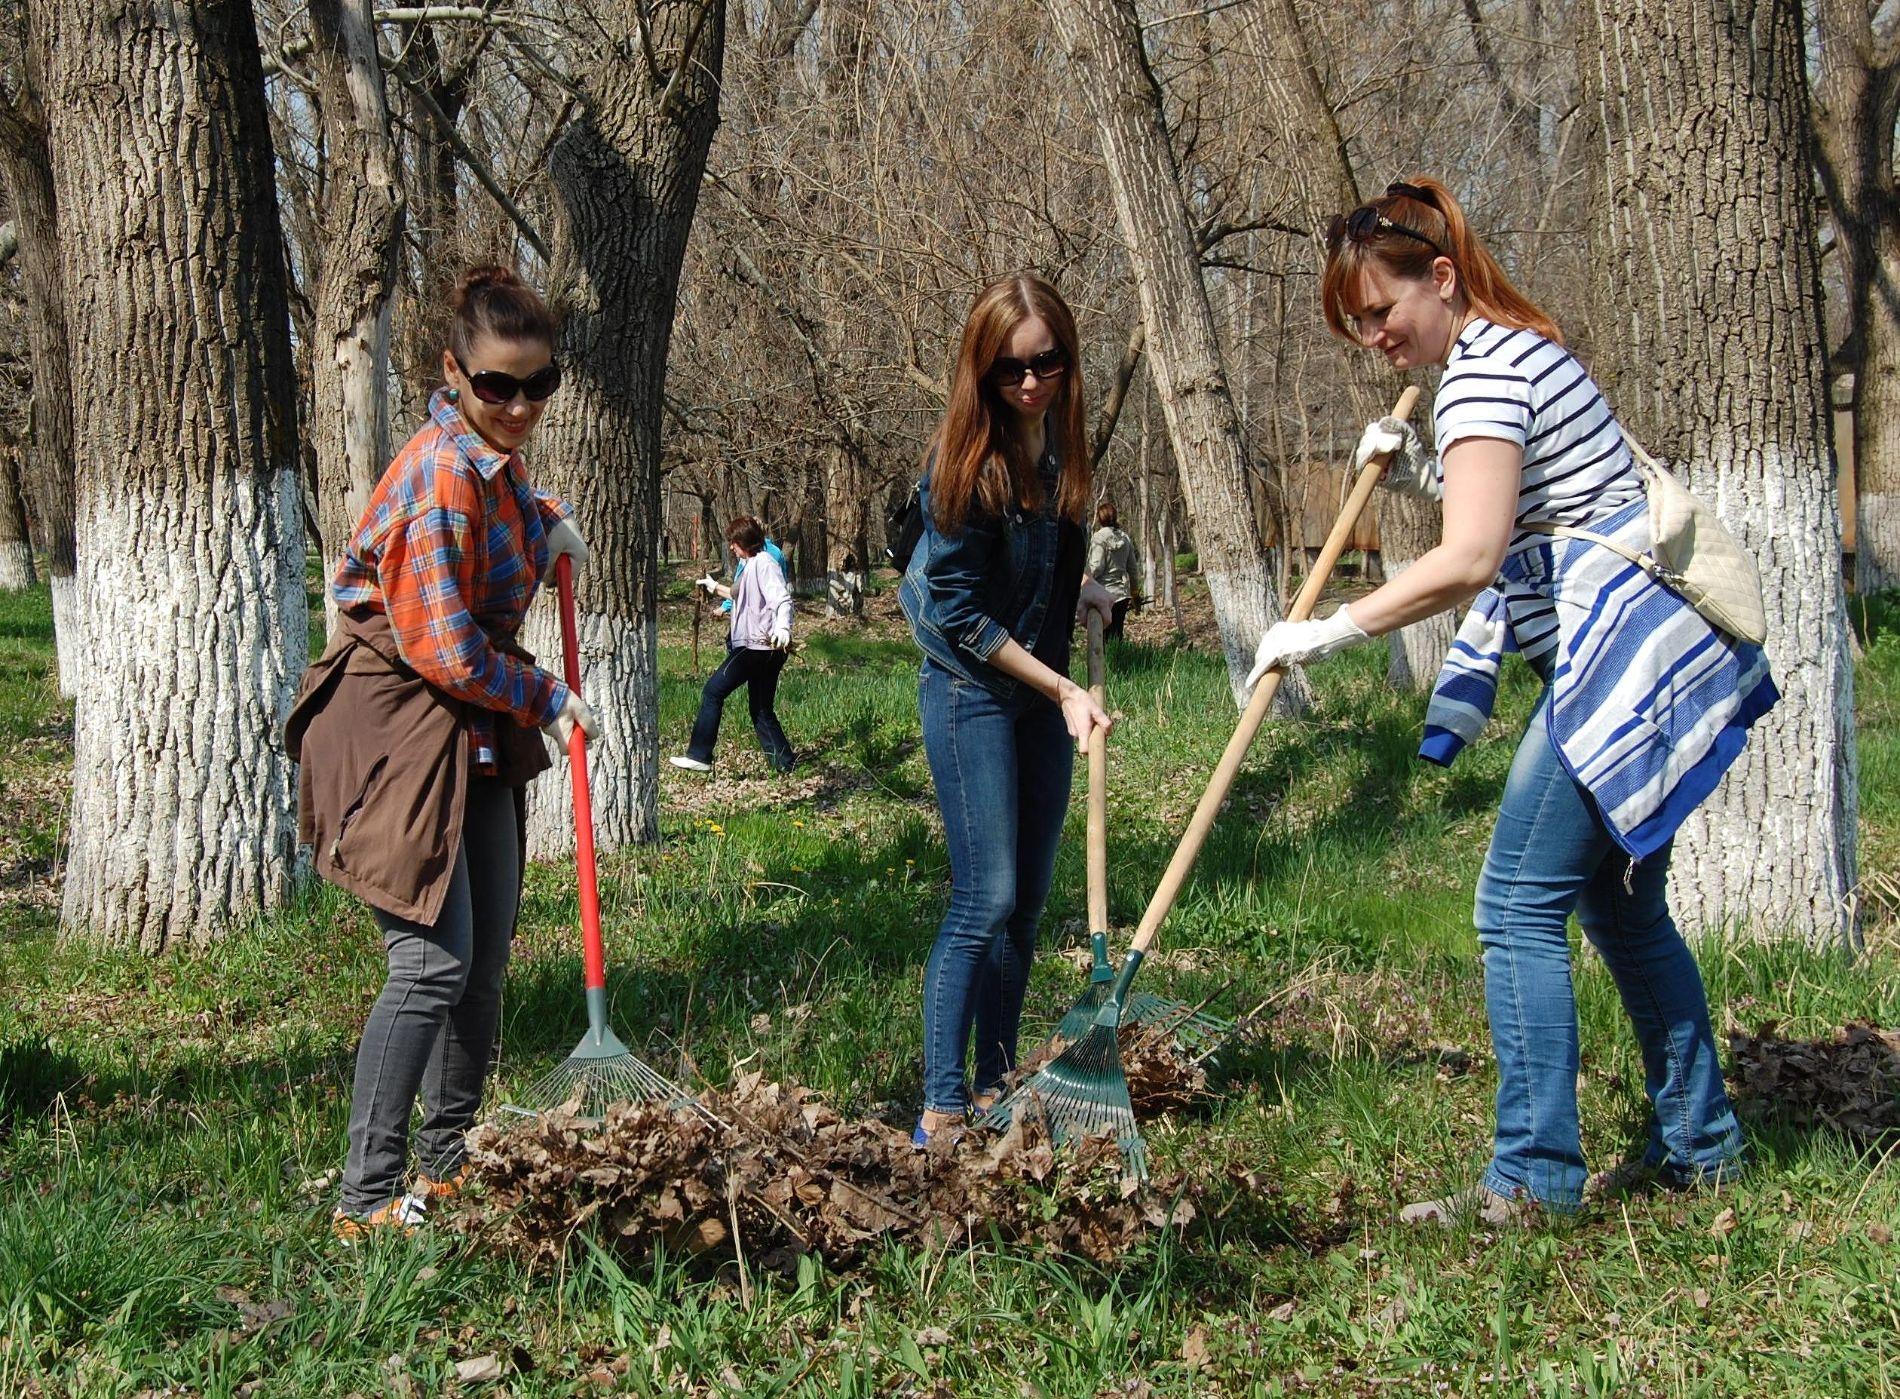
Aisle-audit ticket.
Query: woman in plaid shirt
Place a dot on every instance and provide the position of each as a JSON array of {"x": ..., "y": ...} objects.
[{"x": 416, "y": 735}]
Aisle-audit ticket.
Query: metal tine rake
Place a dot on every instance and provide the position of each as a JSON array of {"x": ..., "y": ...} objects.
[
  {"x": 1196, "y": 1031},
  {"x": 601, "y": 1069},
  {"x": 1083, "y": 1091}
]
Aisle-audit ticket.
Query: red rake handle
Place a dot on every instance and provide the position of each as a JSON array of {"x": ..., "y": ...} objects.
[{"x": 593, "y": 955}]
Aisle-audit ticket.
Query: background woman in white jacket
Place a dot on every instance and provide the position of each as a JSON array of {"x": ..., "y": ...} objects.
[{"x": 756, "y": 648}]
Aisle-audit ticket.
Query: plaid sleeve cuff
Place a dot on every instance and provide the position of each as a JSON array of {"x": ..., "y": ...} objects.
[{"x": 553, "y": 509}]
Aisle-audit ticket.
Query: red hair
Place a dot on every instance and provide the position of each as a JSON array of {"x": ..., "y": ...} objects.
[
  {"x": 1488, "y": 292},
  {"x": 979, "y": 461}
]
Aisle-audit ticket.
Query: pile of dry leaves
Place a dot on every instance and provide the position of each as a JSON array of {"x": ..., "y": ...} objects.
[
  {"x": 1849, "y": 1081},
  {"x": 770, "y": 1172}
]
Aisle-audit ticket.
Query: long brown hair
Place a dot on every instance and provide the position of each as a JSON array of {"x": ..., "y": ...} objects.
[
  {"x": 979, "y": 461},
  {"x": 1488, "y": 292}
]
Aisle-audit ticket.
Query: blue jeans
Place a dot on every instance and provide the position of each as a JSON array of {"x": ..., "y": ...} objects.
[
  {"x": 1551, "y": 854},
  {"x": 1001, "y": 768}
]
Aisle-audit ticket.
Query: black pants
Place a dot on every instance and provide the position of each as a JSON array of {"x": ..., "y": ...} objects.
[
  {"x": 758, "y": 671},
  {"x": 1117, "y": 615}
]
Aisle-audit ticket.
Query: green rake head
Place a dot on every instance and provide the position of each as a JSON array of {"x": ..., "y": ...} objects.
[
  {"x": 1198, "y": 1033},
  {"x": 1081, "y": 1093}
]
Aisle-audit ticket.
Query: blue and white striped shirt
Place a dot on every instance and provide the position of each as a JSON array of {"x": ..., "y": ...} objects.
[
  {"x": 1649, "y": 704},
  {"x": 1520, "y": 387}
]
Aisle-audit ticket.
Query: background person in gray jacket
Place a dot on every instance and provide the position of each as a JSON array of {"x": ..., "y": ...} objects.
[{"x": 1112, "y": 564}]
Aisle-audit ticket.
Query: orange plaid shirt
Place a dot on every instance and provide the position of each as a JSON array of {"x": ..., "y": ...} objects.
[{"x": 452, "y": 549}]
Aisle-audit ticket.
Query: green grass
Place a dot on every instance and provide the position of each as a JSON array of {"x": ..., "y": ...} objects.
[{"x": 164, "y": 1125}]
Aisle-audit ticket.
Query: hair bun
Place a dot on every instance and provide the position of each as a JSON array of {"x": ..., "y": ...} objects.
[{"x": 481, "y": 278}]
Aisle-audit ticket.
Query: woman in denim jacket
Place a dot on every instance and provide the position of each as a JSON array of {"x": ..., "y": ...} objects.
[{"x": 992, "y": 592}]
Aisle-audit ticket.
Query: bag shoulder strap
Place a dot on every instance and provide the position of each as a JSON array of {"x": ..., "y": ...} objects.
[{"x": 1642, "y": 561}]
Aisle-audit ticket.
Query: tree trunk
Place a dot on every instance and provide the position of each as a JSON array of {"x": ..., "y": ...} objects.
[
  {"x": 1104, "y": 44},
  {"x": 1323, "y": 167},
  {"x": 1856, "y": 102},
  {"x": 626, "y": 180},
  {"x": 1707, "y": 310},
  {"x": 16, "y": 549},
  {"x": 26, "y": 169},
  {"x": 362, "y": 224},
  {"x": 190, "y": 531}
]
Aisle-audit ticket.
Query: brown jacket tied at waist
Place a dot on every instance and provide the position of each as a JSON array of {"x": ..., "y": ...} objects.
[{"x": 383, "y": 770}]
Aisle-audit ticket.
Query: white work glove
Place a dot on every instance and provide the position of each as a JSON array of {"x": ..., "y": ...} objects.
[
  {"x": 573, "y": 714},
  {"x": 710, "y": 584},
  {"x": 1412, "y": 470},
  {"x": 780, "y": 639},
  {"x": 564, "y": 538},
  {"x": 1298, "y": 643}
]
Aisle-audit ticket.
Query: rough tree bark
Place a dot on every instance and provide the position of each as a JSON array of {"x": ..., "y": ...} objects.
[
  {"x": 189, "y": 524},
  {"x": 843, "y": 35},
  {"x": 1329, "y": 185},
  {"x": 26, "y": 169},
  {"x": 626, "y": 181},
  {"x": 1104, "y": 43},
  {"x": 1707, "y": 309},
  {"x": 16, "y": 549},
  {"x": 362, "y": 222},
  {"x": 1856, "y": 103}
]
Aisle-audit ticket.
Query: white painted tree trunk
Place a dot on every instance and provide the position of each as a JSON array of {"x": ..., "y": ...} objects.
[
  {"x": 16, "y": 550},
  {"x": 626, "y": 181},
  {"x": 1103, "y": 39},
  {"x": 189, "y": 526},
  {"x": 1710, "y": 343}
]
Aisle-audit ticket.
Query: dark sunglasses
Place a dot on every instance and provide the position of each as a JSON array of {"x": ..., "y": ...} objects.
[
  {"x": 1006, "y": 373},
  {"x": 1365, "y": 223},
  {"x": 492, "y": 386}
]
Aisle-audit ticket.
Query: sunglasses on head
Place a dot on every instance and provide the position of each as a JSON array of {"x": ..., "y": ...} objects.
[
  {"x": 492, "y": 386},
  {"x": 1366, "y": 223},
  {"x": 1006, "y": 373}
]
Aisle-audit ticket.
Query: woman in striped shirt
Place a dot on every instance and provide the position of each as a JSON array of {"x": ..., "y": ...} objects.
[{"x": 1645, "y": 704}]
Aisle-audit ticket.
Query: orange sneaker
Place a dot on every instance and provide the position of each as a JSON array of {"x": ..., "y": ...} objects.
[
  {"x": 428, "y": 1189},
  {"x": 401, "y": 1216}
]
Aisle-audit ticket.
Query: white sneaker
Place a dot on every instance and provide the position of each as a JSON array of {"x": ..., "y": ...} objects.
[{"x": 690, "y": 764}]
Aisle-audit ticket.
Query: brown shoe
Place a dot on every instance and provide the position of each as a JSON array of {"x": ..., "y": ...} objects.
[{"x": 1479, "y": 1205}]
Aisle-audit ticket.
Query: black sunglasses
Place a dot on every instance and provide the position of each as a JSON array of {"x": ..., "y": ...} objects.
[
  {"x": 1365, "y": 223},
  {"x": 1006, "y": 373},
  {"x": 492, "y": 386}
]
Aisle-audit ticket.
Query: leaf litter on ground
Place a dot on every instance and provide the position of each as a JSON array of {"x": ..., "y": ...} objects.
[
  {"x": 770, "y": 1172},
  {"x": 1848, "y": 1080}
]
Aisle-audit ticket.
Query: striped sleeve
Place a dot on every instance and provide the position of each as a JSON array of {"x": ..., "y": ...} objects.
[{"x": 1482, "y": 396}]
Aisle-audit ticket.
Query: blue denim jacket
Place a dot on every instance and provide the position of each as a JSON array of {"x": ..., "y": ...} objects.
[{"x": 966, "y": 594}]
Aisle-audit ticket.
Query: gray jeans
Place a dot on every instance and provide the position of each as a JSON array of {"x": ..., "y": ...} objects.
[{"x": 432, "y": 1030}]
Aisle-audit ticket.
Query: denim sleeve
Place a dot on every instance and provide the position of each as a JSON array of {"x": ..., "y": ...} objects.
[{"x": 956, "y": 572}]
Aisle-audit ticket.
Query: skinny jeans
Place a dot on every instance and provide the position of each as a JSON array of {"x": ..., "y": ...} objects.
[
  {"x": 432, "y": 1030},
  {"x": 1002, "y": 769},
  {"x": 758, "y": 672},
  {"x": 1551, "y": 854}
]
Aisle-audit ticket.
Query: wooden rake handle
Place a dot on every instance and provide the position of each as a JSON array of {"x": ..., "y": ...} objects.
[
  {"x": 1256, "y": 712},
  {"x": 1098, "y": 787}
]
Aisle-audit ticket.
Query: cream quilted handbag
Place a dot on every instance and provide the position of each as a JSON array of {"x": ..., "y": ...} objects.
[{"x": 1691, "y": 552}]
